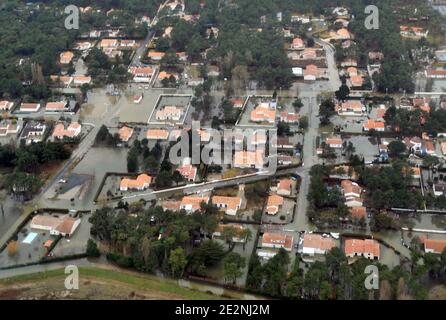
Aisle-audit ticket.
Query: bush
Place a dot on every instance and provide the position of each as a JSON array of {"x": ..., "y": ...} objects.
[
  {"x": 92, "y": 249},
  {"x": 120, "y": 260}
]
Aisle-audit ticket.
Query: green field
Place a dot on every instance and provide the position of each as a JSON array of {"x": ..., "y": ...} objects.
[{"x": 97, "y": 283}]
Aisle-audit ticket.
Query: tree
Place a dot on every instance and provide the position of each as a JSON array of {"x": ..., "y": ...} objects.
[
  {"x": 245, "y": 234},
  {"x": 303, "y": 123},
  {"x": 163, "y": 179},
  {"x": 177, "y": 177},
  {"x": 92, "y": 249},
  {"x": 132, "y": 160},
  {"x": 396, "y": 148},
  {"x": 297, "y": 104},
  {"x": 207, "y": 254},
  {"x": 233, "y": 265},
  {"x": 13, "y": 248},
  {"x": 228, "y": 234},
  {"x": 23, "y": 185},
  {"x": 177, "y": 262},
  {"x": 326, "y": 111},
  {"x": 343, "y": 92}
]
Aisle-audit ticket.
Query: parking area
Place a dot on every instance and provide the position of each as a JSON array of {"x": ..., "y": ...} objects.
[{"x": 365, "y": 146}]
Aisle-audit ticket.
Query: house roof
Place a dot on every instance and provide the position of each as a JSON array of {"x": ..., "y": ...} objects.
[
  {"x": 311, "y": 70},
  {"x": 108, "y": 43},
  {"x": 273, "y": 203},
  {"x": 156, "y": 54},
  {"x": 141, "y": 71},
  {"x": 248, "y": 158},
  {"x": 350, "y": 187},
  {"x": 63, "y": 225},
  {"x": 278, "y": 239},
  {"x": 194, "y": 201},
  {"x": 352, "y": 246},
  {"x": 66, "y": 56},
  {"x": 285, "y": 184},
  {"x": 231, "y": 202},
  {"x": 157, "y": 134},
  {"x": 4, "y": 104},
  {"x": 125, "y": 133},
  {"x": 372, "y": 124},
  {"x": 71, "y": 131},
  {"x": 316, "y": 241},
  {"x": 435, "y": 244},
  {"x": 188, "y": 171},
  {"x": 289, "y": 116},
  {"x": 357, "y": 80},
  {"x": 59, "y": 105},
  {"x": 333, "y": 141},
  {"x": 29, "y": 106},
  {"x": 237, "y": 102},
  {"x": 354, "y": 105},
  {"x": 343, "y": 32},
  {"x": 263, "y": 114},
  {"x": 358, "y": 212},
  {"x": 140, "y": 181},
  {"x": 298, "y": 42}
]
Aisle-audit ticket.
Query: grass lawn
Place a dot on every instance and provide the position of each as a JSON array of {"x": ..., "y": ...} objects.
[{"x": 98, "y": 283}]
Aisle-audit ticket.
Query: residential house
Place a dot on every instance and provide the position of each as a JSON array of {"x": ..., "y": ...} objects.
[
  {"x": 58, "y": 106},
  {"x": 289, "y": 117},
  {"x": 273, "y": 204},
  {"x": 413, "y": 32},
  {"x": 66, "y": 57},
  {"x": 434, "y": 245},
  {"x": 8, "y": 127},
  {"x": 193, "y": 203},
  {"x": 109, "y": 43},
  {"x": 277, "y": 241},
  {"x": 238, "y": 102},
  {"x": 367, "y": 248},
  {"x": 228, "y": 204},
  {"x": 72, "y": 131},
  {"x": 334, "y": 142},
  {"x": 141, "y": 182},
  {"x": 343, "y": 34},
  {"x": 262, "y": 114},
  {"x": 81, "y": 80},
  {"x": 141, "y": 74},
  {"x": 297, "y": 44},
  {"x": 157, "y": 134},
  {"x": 248, "y": 159},
  {"x": 311, "y": 72},
  {"x": 33, "y": 132},
  {"x": 436, "y": 73},
  {"x": 373, "y": 125},
  {"x": 125, "y": 133},
  {"x": 316, "y": 244},
  {"x": 356, "y": 81},
  {"x": 188, "y": 171},
  {"x": 29, "y": 107},
  {"x": 63, "y": 226},
  {"x": 284, "y": 187},
  {"x": 173, "y": 113},
  {"x": 6, "y": 105},
  {"x": 156, "y": 55},
  {"x": 283, "y": 143},
  {"x": 350, "y": 108}
]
